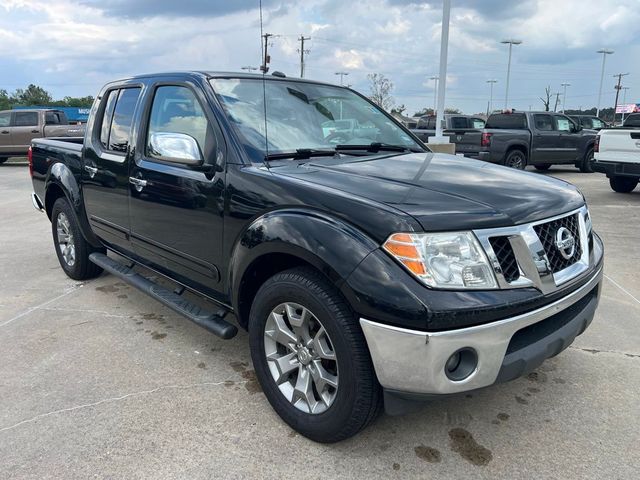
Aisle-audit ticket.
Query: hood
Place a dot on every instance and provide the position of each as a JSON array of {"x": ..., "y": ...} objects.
[{"x": 444, "y": 192}]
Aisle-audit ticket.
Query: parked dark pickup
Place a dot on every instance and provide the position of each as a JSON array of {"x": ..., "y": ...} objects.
[
  {"x": 462, "y": 130},
  {"x": 369, "y": 272},
  {"x": 540, "y": 139}
]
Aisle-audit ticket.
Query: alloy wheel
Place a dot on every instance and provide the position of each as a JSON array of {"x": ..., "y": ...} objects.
[{"x": 65, "y": 239}]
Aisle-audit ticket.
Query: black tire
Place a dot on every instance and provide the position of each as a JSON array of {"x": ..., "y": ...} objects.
[
  {"x": 543, "y": 166},
  {"x": 623, "y": 184},
  {"x": 358, "y": 396},
  {"x": 81, "y": 268},
  {"x": 587, "y": 162},
  {"x": 2, "y": 160},
  {"x": 515, "y": 159}
]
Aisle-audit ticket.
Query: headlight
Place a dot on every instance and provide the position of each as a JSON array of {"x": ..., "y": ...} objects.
[{"x": 443, "y": 260}]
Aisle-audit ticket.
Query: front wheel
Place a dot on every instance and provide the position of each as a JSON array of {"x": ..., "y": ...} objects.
[
  {"x": 515, "y": 159},
  {"x": 623, "y": 184},
  {"x": 587, "y": 162},
  {"x": 71, "y": 247},
  {"x": 2, "y": 160},
  {"x": 311, "y": 357}
]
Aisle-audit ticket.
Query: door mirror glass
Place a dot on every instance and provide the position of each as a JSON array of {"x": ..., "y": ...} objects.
[{"x": 175, "y": 147}]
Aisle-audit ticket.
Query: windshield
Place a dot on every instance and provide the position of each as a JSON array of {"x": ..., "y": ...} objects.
[{"x": 304, "y": 116}]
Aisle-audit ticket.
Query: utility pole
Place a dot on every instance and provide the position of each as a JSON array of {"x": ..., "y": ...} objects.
[
  {"x": 555, "y": 107},
  {"x": 342, "y": 74},
  {"x": 266, "y": 59},
  {"x": 604, "y": 52},
  {"x": 435, "y": 78},
  {"x": 511, "y": 43},
  {"x": 618, "y": 88},
  {"x": 302, "y": 52},
  {"x": 564, "y": 95},
  {"x": 624, "y": 100},
  {"x": 491, "y": 82},
  {"x": 249, "y": 68}
]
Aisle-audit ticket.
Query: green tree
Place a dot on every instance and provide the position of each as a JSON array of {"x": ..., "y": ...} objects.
[
  {"x": 32, "y": 95},
  {"x": 5, "y": 100}
]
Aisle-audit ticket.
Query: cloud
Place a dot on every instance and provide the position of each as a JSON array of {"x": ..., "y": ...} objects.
[{"x": 191, "y": 8}]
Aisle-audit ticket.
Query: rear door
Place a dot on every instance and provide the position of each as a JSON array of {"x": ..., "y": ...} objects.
[
  {"x": 176, "y": 208},
  {"x": 24, "y": 128},
  {"x": 545, "y": 142},
  {"x": 5, "y": 133},
  {"x": 105, "y": 176}
]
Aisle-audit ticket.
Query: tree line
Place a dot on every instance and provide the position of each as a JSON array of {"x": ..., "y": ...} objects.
[{"x": 35, "y": 95}]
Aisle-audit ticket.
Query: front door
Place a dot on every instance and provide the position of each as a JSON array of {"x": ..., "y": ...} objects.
[
  {"x": 177, "y": 209},
  {"x": 105, "y": 175},
  {"x": 6, "y": 144},
  {"x": 569, "y": 139},
  {"x": 545, "y": 140}
]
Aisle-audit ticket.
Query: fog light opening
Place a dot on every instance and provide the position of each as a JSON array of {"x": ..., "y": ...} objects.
[{"x": 461, "y": 364}]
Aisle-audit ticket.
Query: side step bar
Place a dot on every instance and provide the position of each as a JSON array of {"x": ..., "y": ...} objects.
[{"x": 212, "y": 321}]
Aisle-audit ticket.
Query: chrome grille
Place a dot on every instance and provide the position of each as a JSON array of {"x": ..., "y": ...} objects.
[
  {"x": 547, "y": 235},
  {"x": 506, "y": 258}
]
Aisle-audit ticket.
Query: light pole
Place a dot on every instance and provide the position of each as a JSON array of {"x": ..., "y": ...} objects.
[
  {"x": 342, "y": 74},
  {"x": 491, "y": 82},
  {"x": 511, "y": 43},
  {"x": 624, "y": 100},
  {"x": 604, "y": 52},
  {"x": 564, "y": 95},
  {"x": 442, "y": 74},
  {"x": 435, "y": 78}
]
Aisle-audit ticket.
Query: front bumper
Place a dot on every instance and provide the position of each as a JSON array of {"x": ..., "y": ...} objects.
[{"x": 413, "y": 362}]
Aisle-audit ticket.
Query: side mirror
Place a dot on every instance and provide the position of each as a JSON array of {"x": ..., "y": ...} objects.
[{"x": 175, "y": 148}]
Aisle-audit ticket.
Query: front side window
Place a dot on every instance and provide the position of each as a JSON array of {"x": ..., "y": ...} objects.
[
  {"x": 52, "y": 118},
  {"x": 26, "y": 119},
  {"x": 564, "y": 124},
  {"x": 176, "y": 109},
  {"x": 5, "y": 119},
  {"x": 302, "y": 115},
  {"x": 477, "y": 123},
  {"x": 596, "y": 123},
  {"x": 123, "y": 119}
]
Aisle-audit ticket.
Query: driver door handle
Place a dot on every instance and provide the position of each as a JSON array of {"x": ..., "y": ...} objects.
[
  {"x": 91, "y": 170},
  {"x": 139, "y": 183}
]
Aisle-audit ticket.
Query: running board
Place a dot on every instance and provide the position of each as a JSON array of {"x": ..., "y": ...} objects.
[{"x": 212, "y": 321}]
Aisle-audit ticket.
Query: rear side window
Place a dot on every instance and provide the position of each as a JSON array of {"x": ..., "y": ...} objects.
[
  {"x": 477, "y": 123},
  {"x": 106, "y": 117},
  {"x": 175, "y": 109},
  {"x": 507, "y": 121},
  {"x": 5, "y": 118},
  {"x": 122, "y": 119},
  {"x": 26, "y": 119},
  {"x": 543, "y": 122}
]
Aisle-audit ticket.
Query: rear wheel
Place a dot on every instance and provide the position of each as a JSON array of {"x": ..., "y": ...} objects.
[
  {"x": 71, "y": 247},
  {"x": 2, "y": 160},
  {"x": 311, "y": 357},
  {"x": 587, "y": 162},
  {"x": 542, "y": 166},
  {"x": 623, "y": 184},
  {"x": 515, "y": 159}
]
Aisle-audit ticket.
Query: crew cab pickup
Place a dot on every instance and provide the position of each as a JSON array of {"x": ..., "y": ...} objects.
[
  {"x": 19, "y": 127},
  {"x": 618, "y": 154},
  {"x": 368, "y": 273},
  {"x": 463, "y": 130},
  {"x": 541, "y": 139}
]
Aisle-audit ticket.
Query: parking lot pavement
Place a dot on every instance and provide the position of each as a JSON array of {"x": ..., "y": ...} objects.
[{"x": 97, "y": 380}]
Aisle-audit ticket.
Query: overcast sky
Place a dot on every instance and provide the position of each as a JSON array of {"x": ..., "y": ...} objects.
[{"x": 72, "y": 47}]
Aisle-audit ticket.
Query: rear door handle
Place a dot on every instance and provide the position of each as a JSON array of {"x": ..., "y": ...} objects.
[
  {"x": 138, "y": 183},
  {"x": 5, "y": 131},
  {"x": 35, "y": 131},
  {"x": 91, "y": 170}
]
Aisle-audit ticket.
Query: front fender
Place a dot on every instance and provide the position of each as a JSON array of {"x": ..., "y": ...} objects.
[{"x": 329, "y": 244}]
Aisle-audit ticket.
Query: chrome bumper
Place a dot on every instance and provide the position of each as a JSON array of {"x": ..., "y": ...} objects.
[{"x": 414, "y": 361}]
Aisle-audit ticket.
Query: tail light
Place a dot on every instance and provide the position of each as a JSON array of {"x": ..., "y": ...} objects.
[
  {"x": 30, "y": 158},
  {"x": 486, "y": 139},
  {"x": 596, "y": 146}
]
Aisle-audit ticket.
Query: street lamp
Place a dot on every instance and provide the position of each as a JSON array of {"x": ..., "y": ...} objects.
[
  {"x": 511, "y": 43},
  {"x": 342, "y": 74},
  {"x": 439, "y": 138},
  {"x": 604, "y": 52},
  {"x": 564, "y": 95},
  {"x": 491, "y": 82},
  {"x": 435, "y": 78}
]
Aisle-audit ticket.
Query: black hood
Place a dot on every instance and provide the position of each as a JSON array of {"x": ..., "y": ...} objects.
[{"x": 444, "y": 192}]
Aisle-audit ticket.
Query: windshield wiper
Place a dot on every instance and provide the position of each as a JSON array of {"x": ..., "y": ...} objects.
[
  {"x": 376, "y": 147},
  {"x": 301, "y": 154}
]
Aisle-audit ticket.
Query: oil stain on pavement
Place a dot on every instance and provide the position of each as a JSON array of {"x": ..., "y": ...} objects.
[
  {"x": 463, "y": 443},
  {"x": 428, "y": 454}
]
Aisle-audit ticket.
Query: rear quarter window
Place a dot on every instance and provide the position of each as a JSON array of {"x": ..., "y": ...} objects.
[{"x": 515, "y": 121}]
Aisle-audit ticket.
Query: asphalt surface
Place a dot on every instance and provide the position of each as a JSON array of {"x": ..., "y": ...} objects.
[{"x": 97, "y": 380}]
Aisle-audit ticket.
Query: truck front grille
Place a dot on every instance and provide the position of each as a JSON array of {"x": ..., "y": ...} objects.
[
  {"x": 506, "y": 258},
  {"x": 547, "y": 232}
]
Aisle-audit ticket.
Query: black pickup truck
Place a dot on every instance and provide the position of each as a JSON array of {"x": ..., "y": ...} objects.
[
  {"x": 368, "y": 273},
  {"x": 541, "y": 139}
]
